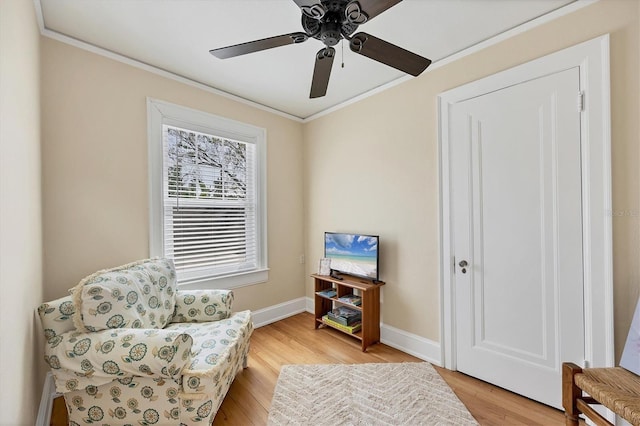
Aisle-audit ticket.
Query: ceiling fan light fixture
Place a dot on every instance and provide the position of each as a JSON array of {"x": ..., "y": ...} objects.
[{"x": 330, "y": 33}]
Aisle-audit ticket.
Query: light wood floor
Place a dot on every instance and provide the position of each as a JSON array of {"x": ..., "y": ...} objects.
[{"x": 294, "y": 341}]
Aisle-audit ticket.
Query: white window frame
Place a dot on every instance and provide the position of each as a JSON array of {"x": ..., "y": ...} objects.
[{"x": 161, "y": 113}]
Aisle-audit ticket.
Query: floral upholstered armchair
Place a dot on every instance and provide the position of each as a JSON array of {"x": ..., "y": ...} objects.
[{"x": 127, "y": 347}]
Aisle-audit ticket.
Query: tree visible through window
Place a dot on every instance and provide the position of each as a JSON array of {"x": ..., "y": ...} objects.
[
  {"x": 210, "y": 223},
  {"x": 204, "y": 166}
]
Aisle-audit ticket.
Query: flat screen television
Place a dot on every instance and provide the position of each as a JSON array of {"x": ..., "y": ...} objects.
[{"x": 353, "y": 254}]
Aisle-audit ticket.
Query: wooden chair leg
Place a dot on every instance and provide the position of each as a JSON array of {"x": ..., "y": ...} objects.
[{"x": 570, "y": 393}]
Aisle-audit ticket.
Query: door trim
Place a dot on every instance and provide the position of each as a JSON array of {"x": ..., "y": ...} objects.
[{"x": 592, "y": 58}]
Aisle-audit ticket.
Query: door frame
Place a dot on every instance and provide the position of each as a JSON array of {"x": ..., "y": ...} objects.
[{"x": 592, "y": 58}]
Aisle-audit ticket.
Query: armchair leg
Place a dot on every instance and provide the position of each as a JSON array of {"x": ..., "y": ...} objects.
[
  {"x": 570, "y": 393},
  {"x": 59, "y": 416}
]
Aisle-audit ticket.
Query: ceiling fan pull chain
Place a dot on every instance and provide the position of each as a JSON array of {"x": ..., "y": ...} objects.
[{"x": 342, "y": 46}]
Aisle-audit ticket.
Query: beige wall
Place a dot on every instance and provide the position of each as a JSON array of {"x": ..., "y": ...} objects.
[
  {"x": 373, "y": 167},
  {"x": 20, "y": 214},
  {"x": 95, "y": 184}
]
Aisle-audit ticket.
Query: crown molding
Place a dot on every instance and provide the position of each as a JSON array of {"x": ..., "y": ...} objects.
[
  {"x": 44, "y": 31},
  {"x": 63, "y": 38}
]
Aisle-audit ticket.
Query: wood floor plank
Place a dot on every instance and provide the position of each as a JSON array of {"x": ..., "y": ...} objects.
[{"x": 295, "y": 341}]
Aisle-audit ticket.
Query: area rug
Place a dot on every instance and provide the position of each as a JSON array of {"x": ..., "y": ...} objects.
[{"x": 365, "y": 394}]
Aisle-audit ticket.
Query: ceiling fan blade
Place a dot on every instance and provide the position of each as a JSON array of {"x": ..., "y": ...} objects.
[
  {"x": 389, "y": 54},
  {"x": 373, "y": 8},
  {"x": 311, "y": 8},
  {"x": 322, "y": 72},
  {"x": 258, "y": 45}
]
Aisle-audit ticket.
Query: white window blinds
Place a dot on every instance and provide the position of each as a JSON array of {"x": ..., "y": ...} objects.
[{"x": 209, "y": 204}]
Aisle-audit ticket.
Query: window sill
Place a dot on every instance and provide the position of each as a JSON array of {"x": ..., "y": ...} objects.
[{"x": 227, "y": 281}]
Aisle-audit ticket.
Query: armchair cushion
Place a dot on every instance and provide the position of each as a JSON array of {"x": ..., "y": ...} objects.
[
  {"x": 82, "y": 359},
  {"x": 137, "y": 295},
  {"x": 202, "y": 305}
]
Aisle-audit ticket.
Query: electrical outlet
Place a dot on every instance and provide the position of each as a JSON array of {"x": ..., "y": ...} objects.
[{"x": 302, "y": 259}]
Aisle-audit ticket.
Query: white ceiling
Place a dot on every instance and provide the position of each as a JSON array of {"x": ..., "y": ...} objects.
[{"x": 176, "y": 36}]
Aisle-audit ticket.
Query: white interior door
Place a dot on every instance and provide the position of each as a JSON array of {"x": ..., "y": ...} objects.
[{"x": 516, "y": 201}]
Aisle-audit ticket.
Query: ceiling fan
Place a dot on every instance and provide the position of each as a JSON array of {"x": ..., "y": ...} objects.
[{"x": 331, "y": 21}]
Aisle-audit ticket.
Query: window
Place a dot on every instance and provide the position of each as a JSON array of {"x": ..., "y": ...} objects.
[{"x": 207, "y": 177}]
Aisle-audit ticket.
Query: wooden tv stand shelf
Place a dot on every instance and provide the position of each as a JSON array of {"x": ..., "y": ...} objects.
[{"x": 370, "y": 306}]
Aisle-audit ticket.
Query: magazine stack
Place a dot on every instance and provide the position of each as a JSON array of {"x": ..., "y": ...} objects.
[{"x": 344, "y": 318}]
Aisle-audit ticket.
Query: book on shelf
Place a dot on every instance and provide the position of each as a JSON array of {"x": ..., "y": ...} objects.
[
  {"x": 351, "y": 329},
  {"x": 351, "y": 299},
  {"x": 344, "y": 315},
  {"x": 330, "y": 292}
]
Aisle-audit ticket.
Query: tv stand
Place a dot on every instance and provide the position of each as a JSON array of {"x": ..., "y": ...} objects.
[{"x": 370, "y": 307}]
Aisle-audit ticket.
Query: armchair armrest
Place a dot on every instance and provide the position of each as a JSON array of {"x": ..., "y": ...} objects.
[
  {"x": 202, "y": 305},
  {"x": 82, "y": 359}
]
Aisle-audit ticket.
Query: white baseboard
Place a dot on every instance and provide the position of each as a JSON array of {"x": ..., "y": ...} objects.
[
  {"x": 277, "y": 312},
  {"x": 46, "y": 401},
  {"x": 310, "y": 305},
  {"x": 409, "y": 343}
]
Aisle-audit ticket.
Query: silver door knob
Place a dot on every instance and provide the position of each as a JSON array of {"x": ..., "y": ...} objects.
[{"x": 463, "y": 264}]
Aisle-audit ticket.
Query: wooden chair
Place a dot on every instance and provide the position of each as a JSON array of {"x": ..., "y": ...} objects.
[{"x": 614, "y": 388}]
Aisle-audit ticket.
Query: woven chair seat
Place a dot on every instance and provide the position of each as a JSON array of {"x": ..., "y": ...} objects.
[{"x": 615, "y": 388}]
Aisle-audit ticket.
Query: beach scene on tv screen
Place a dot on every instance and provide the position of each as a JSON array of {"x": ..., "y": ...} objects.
[{"x": 353, "y": 254}]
